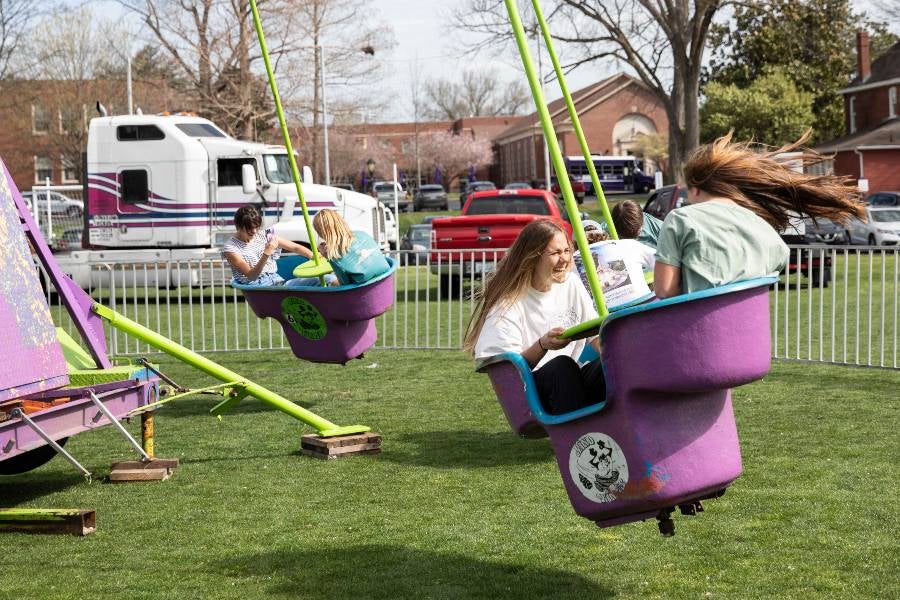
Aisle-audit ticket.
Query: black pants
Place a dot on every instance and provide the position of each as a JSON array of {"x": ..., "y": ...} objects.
[{"x": 564, "y": 386}]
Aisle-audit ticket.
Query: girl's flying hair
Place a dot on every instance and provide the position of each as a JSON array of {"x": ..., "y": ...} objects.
[{"x": 764, "y": 182}]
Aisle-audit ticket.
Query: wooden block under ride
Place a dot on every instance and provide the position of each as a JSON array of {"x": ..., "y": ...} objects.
[
  {"x": 156, "y": 469},
  {"x": 48, "y": 520},
  {"x": 340, "y": 446}
]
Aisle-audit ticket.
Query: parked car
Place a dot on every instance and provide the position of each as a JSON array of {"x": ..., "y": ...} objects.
[
  {"x": 69, "y": 240},
  {"x": 417, "y": 239},
  {"x": 431, "y": 195},
  {"x": 824, "y": 231},
  {"x": 391, "y": 228},
  {"x": 517, "y": 185},
  {"x": 884, "y": 199},
  {"x": 577, "y": 188},
  {"x": 881, "y": 229},
  {"x": 384, "y": 191},
  {"x": 471, "y": 188},
  {"x": 59, "y": 204},
  {"x": 666, "y": 199}
]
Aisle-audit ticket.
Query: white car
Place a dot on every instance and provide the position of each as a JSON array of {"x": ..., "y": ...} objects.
[
  {"x": 881, "y": 229},
  {"x": 59, "y": 204}
]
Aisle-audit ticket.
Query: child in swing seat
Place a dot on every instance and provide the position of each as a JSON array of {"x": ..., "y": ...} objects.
[
  {"x": 354, "y": 255},
  {"x": 252, "y": 252}
]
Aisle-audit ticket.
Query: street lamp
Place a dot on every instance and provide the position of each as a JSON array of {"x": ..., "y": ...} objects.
[{"x": 365, "y": 50}]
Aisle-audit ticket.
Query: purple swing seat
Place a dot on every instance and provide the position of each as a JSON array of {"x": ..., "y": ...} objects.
[
  {"x": 324, "y": 324},
  {"x": 665, "y": 434}
]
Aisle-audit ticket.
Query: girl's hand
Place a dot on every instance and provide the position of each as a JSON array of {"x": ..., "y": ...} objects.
[
  {"x": 552, "y": 341},
  {"x": 271, "y": 245}
]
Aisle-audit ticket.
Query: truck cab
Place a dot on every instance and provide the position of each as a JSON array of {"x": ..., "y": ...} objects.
[{"x": 175, "y": 181}]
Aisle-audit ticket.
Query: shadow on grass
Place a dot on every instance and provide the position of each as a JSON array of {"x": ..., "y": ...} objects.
[
  {"x": 465, "y": 449},
  {"x": 17, "y": 489},
  {"x": 383, "y": 571}
]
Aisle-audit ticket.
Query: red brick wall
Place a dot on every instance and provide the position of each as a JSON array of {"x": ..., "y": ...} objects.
[
  {"x": 871, "y": 108},
  {"x": 598, "y": 123},
  {"x": 881, "y": 168}
]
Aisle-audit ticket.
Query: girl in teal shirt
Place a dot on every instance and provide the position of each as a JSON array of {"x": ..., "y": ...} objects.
[
  {"x": 354, "y": 255},
  {"x": 738, "y": 201}
]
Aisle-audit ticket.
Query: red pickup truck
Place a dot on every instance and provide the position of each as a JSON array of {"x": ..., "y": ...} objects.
[{"x": 471, "y": 243}]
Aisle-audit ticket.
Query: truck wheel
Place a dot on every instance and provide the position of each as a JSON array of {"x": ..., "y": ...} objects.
[
  {"x": 448, "y": 287},
  {"x": 28, "y": 461}
]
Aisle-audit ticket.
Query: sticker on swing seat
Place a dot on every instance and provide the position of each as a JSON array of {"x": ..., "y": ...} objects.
[
  {"x": 304, "y": 318},
  {"x": 598, "y": 467}
]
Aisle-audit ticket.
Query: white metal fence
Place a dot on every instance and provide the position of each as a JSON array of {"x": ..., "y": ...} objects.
[
  {"x": 835, "y": 305},
  {"x": 58, "y": 211}
]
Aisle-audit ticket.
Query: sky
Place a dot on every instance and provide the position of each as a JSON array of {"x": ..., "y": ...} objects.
[{"x": 428, "y": 46}]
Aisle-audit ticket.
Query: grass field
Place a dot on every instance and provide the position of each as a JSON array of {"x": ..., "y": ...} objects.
[{"x": 458, "y": 507}]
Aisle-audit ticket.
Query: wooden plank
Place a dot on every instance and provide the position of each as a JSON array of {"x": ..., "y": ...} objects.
[
  {"x": 123, "y": 475},
  {"x": 48, "y": 520},
  {"x": 313, "y": 439},
  {"x": 340, "y": 446},
  {"x": 153, "y": 463}
]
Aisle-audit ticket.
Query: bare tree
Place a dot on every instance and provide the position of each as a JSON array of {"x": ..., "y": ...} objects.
[
  {"x": 661, "y": 40},
  {"x": 350, "y": 36},
  {"x": 16, "y": 18},
  {"x": 476, "y": 94},
  {"x": 213, "y": 44},
  {"x": 890, "y": 10}
]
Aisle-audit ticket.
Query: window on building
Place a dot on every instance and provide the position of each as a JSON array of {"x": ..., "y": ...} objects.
[
  {"x": 135, "y": 186},
  {"x": 231, "y": 170},
  {"x": 135, "y": 133},
  {"x": 72, "y": 119},
  {"x": 892, "y": 102},
  {"x": 43, "y": 169},
  {"x": 40, "y": 119},
  {"x": 69, "y": 169},
  {"x": 852, "y": 112}
]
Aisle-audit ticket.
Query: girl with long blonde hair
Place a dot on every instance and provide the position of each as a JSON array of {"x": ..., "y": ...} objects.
[
  {"x": 354, "y": 255},
  {"x": 738, "y": 201},
  {"x": 526, "y": 304}
]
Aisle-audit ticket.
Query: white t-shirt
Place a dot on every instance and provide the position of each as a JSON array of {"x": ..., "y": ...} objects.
[{"x": 534, "y": 314}]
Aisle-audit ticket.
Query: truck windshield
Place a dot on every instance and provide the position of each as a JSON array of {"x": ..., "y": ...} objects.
[
  {"x": 509, "y": 205},
  {"x": 278, "y": 168},
  {"x": 200, "y": 130}
]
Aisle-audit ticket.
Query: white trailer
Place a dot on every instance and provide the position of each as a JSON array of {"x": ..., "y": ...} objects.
[{"x": 174, "y": 182}]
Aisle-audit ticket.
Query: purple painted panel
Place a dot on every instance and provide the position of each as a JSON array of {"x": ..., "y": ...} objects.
[
  {"x": 667, "y": 435},
  {"x": 30, "y": 357}
]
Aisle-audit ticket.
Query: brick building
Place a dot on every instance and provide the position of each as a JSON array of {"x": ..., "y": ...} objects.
[
  {"x": 871, "y": 149},
  {"x": 613, "y": 112},
  {"x": 45, "y": 122}
]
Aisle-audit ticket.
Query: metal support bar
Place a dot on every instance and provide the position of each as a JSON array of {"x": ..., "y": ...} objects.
[
  {"x": 19, "y": 413},
  {"x": 117, "y": 425},
  {"x": 147, "y": 365}
]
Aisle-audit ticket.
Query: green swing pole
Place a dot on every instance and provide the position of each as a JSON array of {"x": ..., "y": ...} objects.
[
  {"x": 324, "y": 427},
  {"x": 556, "y": 156},
  {"x": 284, "y": 133},
  {"x": 576, "y": 123}
]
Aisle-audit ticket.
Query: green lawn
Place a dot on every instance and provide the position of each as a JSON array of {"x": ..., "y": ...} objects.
[{"x": 458, "y": 507}]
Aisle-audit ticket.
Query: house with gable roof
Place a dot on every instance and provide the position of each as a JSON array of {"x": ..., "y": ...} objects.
[{"x": 870, "y": 152}]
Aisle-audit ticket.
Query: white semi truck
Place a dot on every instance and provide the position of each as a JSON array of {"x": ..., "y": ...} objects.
[{"x": 164, "y": 188}]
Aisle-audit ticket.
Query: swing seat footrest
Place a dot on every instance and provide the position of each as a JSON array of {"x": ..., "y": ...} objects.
[{"x": 340, "y": 446}]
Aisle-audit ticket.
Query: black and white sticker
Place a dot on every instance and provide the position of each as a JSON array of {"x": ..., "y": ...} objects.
[{"x": 598, "y": 467}]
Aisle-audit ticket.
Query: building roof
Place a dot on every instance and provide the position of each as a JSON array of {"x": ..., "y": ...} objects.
[
  {"x": 885, "y": 70},
  {"x": 587, "y": 95},
  {"x": 886, "y": 136}
]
